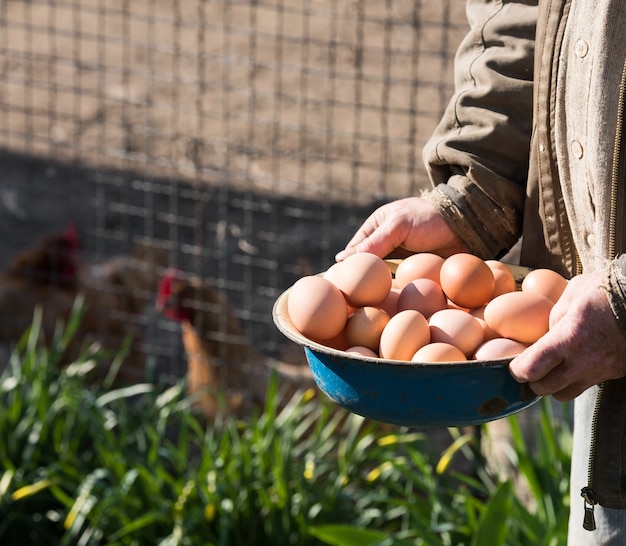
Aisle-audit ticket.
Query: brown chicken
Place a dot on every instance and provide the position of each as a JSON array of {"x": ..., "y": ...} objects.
[
  {"x": 51, "y": 275},
  {"x": 53, "y": 260},
  {"x": 116, "y": 292},
  {"x": 44, "y": 275},
  {"x": 223, "y": 371}
]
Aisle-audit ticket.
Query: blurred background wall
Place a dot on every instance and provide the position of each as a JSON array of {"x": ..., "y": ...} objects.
[{"x": 240, "y": 141}]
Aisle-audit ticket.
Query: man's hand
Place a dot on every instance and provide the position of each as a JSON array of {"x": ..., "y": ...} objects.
[
  {"x": 404, "y": 227},
  {"x": 584, "y": 346}
]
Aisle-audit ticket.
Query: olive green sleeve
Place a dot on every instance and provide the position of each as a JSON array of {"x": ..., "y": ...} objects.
[{"x": 477, "y": 158}]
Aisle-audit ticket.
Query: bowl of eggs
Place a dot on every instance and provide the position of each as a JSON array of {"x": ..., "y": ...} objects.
[{"x": 421, "y": 342}]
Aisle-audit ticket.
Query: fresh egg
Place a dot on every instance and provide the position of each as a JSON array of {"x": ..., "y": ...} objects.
[
  {"x": 479, "y": 315},
  {"x": 522, "y": 316},
  {"x": 362, "y": 351},
  {"x": 467, "y": 280},
  {"x": 317, "y": 308},
  {"x": 503, "y": 276},
  {"x": 365, "y": 326},
  {"x": 390, "y": 303},
  {"x": 546, "y": 282},
  {"x": 497, "y": 264},
  {"x": 423, "y": 295},
  {"x": 337, "y": 342},
  {"x": 332, "y": 272},
  {"x": 405, "y": 333},
  {"x": 457, "y": 328},
  {"x": 364, "y": 278},
  {"x": 418, "y": 266},
  {"x": 499, "y": 347},
  {"x": 452, "y": 305},
  {"x": 439, "y": 352}
]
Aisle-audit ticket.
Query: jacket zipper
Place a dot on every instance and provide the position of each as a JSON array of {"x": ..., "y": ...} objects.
[{"x": 587, "y": 493}]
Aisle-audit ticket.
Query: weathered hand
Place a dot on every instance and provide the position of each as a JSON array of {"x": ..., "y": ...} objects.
[
  {"x": 404, "y": 227},
  {"x": 584, "y": 346}
]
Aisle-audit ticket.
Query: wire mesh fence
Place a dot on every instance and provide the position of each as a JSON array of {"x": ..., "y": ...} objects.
[{"x": 240, "y": 141}]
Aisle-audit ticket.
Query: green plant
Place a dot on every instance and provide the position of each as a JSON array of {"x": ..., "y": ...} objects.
[
  {"x": 86, "y": 464},
  {"x": 440, "y": 506}
]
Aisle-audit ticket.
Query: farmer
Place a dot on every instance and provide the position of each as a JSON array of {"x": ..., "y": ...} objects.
[{"x": 532, "y": 145}]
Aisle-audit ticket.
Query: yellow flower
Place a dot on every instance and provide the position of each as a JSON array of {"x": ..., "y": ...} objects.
[
  {"x": 375, "y": 473},
  {"x": 309, "y": 469},
  {"x": 210, "y": 511},
  {"x": 308, "y": 395},
  {"x": 392, "y": 439},
  {"x": 388, "y": 440}
]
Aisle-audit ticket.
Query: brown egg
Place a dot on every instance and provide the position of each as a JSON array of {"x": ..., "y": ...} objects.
[
  {"x": 522, "y": 316},
  {"x": 452, "y": 305},
  {"x": 467, "y": 280},
  {"x": 496, "y": 264},
  {"x": 337, "y": 342},
  {"x": 418, "y": 266},
  {"x": 362, "y": 351},
  {"x": 439, "y": 352},
  {"x": 317, "y": 308},
  {"x": 364, "y": 279},
  {"x": 499, "y": 347},
  {"x": 332, "y": 272},
  {"x": 503, "y": 276},
  {"x": 457, "y": 328},
  {"x": 390, "y": 304},
  {"x": 365, "y": 326},
  {"x": 546, "y": 282},
  {"x": 423, "y": 295},
  {"x": 404, "y": 334},
  {"x": 479, "y": 315}
]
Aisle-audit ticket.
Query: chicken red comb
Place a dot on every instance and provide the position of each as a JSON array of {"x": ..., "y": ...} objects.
[
  {"x": 166, "y": 285},
  {"x": 168, "y": 296}
]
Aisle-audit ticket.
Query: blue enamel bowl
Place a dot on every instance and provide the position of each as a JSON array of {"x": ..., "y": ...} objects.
[{"x": 413, "y": 394}]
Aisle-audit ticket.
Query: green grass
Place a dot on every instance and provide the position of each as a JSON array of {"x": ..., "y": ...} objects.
[{"x": 82, "y": 463}]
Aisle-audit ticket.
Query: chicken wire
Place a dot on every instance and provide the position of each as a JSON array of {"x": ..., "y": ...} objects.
[{"x": 245, "y": 139}]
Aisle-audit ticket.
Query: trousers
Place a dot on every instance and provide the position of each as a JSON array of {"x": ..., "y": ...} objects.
[{"x": 610, "y": 524}]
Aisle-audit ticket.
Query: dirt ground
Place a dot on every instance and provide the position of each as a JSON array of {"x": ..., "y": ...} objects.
[{"x": 250, "y": 139}]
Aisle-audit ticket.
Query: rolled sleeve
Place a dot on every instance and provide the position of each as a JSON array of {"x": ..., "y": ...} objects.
[{"x": 478, "y": 156}]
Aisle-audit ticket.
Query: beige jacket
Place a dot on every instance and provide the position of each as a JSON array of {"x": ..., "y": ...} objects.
[{"x": 531, "y": 146}]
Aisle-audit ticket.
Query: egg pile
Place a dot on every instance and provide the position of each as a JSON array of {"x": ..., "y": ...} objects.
[{"x": 432, "y": 310}]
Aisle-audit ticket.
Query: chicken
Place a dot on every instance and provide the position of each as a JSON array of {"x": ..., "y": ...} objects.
[
  {"x": 52, "y": 261},
  {"x": 116, "y": 292},
  {"x": 221, "y": 364},
  {"x": 44, "y": 275},
  {"x": 128, "y": 281},
  {"x": 52, "y": 274}
]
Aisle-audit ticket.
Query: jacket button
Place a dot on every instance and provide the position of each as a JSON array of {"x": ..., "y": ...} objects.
[
  {"x": 591, "y": 240},
  {"x": 581, "y": 48},
  {"x": 577, "y": 149}
]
